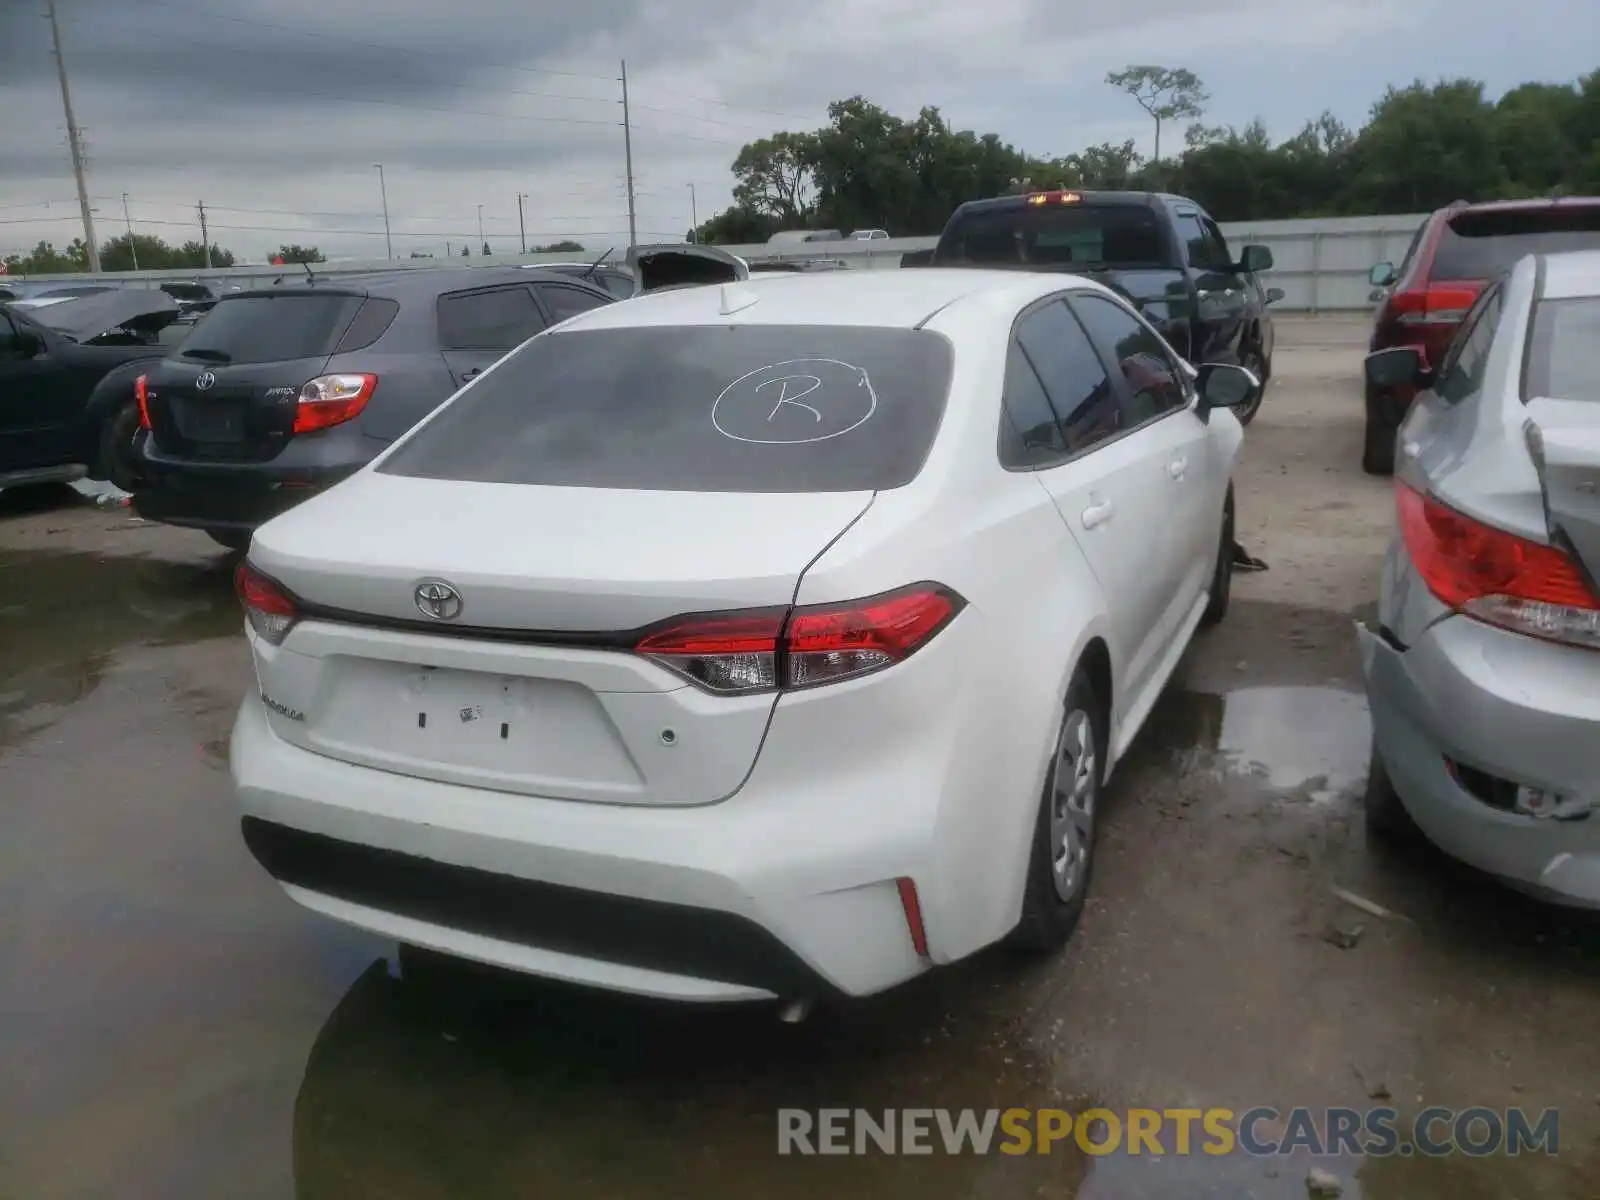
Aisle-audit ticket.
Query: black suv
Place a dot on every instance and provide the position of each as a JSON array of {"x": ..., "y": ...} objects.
[
  {"x": 1163, "y": 253},
  {"x": 284, "y": 391}
]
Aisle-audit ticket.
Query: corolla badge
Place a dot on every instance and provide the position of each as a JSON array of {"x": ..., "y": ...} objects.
[
  {"x": 437, "y": 599},
  {"x": 204, "y": 381}
]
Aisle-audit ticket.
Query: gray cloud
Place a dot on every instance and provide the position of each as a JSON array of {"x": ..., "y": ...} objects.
[{"x": 274, "y": 110}]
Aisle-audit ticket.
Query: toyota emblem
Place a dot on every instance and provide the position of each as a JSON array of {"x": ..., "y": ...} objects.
[
  {"x": 437, "y": 599},
  {"x": 204, "y": 381}
]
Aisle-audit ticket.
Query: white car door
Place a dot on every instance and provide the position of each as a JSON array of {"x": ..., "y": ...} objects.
[
  {"x": 1192, "y": 482},
  {"x": 1108, "y": 483}
]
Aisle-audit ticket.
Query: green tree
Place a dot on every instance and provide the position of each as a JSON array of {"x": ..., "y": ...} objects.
[
  {"x": 466, "y": 252},
  {"x": 296, "y": 253},
  {"x": 486, "y": 248},
  {"x": 566, "y": 246},
  {"x": 1166, "y": 93},
  {"x": 1426, "y": 146},
  {"x": 773, "y": 177},
  {"x": 45, "y": 259},
  {"x": 1534, "y": 126}
]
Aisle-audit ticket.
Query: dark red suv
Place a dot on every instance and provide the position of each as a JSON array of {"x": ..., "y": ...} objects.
[{"x": 1455, "y": 253}]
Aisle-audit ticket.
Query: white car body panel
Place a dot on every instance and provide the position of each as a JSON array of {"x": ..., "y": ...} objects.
[{"x": 796, "y": 810}]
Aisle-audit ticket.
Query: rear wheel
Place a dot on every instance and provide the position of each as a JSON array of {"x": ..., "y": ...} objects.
[
  {"x": 117, "y": 461},
  {"x": 1064, "y": 833},
  {"x": 1383, "y": 426}
]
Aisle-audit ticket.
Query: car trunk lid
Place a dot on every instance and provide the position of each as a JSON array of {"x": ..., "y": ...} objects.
[
  {"x": 1569, "y": 466},
  {"x": 526, "y": 681}
]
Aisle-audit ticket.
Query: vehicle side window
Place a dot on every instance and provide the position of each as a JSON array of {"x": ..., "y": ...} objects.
[
  {"x": 1030, "y": 432},
  {"x": 1073, "y": 375},
  {"x": 1155, "y": 381},
  {"x": 1217, "y": 243},
  {"x": 1411, "y": 250},
  {"x": 1461, "y": 373},
  {"x": 492, "y": 319},
  {"x": 11, "y": 338},
  {"x": 564, "y": 302},
  {"x": 1203, "y": 251},
  {"x": 620, "y": 286}
]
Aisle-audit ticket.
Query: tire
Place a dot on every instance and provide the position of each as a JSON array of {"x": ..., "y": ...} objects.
[
  {"x": 1377, "y": 453},
  {"x": 1062, "y": 856},
  {"x": 1222, "y": 574},
  {"x": 232, "y": 540},
  {"x": 116, "y": 461},
  {"x": 1385, "y": 812},
  {"x": 1252, "y": 360}
]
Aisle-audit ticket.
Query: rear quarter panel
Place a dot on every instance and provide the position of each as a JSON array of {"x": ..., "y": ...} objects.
[{"x": 413, "y": 378}]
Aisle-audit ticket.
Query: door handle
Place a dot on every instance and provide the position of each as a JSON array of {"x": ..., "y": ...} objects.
[
  {"x": 465, "y": 375},
  {"x": 1097, "y": 514},
  {"x": 1177, "y": 467}
]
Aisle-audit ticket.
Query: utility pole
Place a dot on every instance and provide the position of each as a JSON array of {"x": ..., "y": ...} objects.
[
  {"x": 132, "y": 249},
  {"x": 694, "y": 217},
  {"x": 383, "y": 191},
  {"x": 480, "y": 226},
  {"x": 627, "y": 152},
  {"x": 522, "y": 229},
  {"x": 205, "y": 235},
  {"x": 74, "y": 141}
]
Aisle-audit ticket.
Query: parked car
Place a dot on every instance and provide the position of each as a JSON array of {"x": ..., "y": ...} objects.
[
  {"x": 45, "y": 295},
  {"x": 67, "y": 371},
  {"x": 1452, "y": 257},
  {"x": 1483, "y": 669},
  {"x": 1163, "y": 253},
  {"x": 283, "y": 391},
  {"x": 194, "y": 297},
  {"x": 770, "y": 640},
  {"x": 869, "y": 235},
  {"x": 613, "y": 277}
]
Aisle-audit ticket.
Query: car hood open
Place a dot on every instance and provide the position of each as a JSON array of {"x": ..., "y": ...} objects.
[
  {"x": 673, "y": 265},
  {"x": 138, "y": 310}
]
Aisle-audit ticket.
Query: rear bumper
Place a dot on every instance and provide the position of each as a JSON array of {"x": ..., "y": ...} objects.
[
  {"x": 1513, "y": 707},
  {"x": 237, "y": 497},
  {"x": 751, "y": 898}
]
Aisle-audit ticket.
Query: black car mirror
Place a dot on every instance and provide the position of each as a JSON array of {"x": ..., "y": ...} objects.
[
  {"x": 22, "y": 344},
  {"x": 1274, "y": 295},
  {"x": 1402, "y": 366},
  {"x": 1226, "y": 385},
  {"x": 1381, "y": 275},
  {"x": 1255, "y": 258}
]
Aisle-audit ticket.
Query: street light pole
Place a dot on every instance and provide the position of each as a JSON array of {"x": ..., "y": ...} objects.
[
  {"x": 383, "y": 191},
  {"x": 480, "y": 226},
  {"x": 132, "y": 249},
  {"x": 694, "y": 217},
  {"x": 522, "y": 229}
]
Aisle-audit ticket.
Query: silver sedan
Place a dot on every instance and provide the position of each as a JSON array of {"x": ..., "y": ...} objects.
[{"x": 1484, "y": 670}]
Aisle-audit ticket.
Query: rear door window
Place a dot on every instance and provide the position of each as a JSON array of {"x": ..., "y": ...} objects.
[
  {"x": 1461, "y": 373},
  {"x": 1485, "y": 244},
  {"x": 1564, "y": 360},
  {"x": 756, "y": 408},
  {"x": 489, "y": 319},
  {"x": 1072, "y": 374},
  {"x": 272, "y": 327},
  {"x": 1204, "y": 250},
  {"x": 1063, "y": 236},
  {"x": 563, "y": 302}
]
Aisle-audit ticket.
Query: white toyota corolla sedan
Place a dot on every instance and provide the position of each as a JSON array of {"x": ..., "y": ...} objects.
[{"x": 772, "y": 639}]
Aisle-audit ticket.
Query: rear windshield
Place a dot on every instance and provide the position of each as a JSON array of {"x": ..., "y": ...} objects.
[
  {"x": 696, "y": 409},
  {"x": 1564, "y": 360},
  {"x": 1057, "y": 236},
  {"x": 1483, "y": 245},
  {"x": 272, "y": 327}
]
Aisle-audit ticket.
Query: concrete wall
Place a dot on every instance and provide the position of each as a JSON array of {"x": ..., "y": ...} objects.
[{"x": 1320, "y": 264}]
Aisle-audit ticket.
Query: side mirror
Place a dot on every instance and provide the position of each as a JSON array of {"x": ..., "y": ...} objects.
[
  {"x": 1403, "y": 366},
  {"x": 1274, "y": 295},
  {"x": 1255, "y": 258},
  {"x": 1224, "y": 385},
  {"x": 1381, "y": 275},
  {"x": 24, "y": 344}
]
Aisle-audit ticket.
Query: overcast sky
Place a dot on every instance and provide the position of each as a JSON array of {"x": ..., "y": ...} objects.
[{"x": 274, "y": 111}]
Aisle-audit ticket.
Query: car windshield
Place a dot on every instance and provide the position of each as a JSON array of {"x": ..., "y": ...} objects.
[
  {"x": 696, "y": 409},
  {"x": 1564, "y": 360},
  {"x": 1058, "y": 236},
  {"x": 272, "y": 327},
  {"x": 1482, "y": 245}
]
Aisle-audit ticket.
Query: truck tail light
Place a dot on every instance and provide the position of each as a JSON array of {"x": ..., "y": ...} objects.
[
  {"x": 1498, "y": 577},
  {"x": 332, "y": 400},
  {"x": 786, "y": 649}
]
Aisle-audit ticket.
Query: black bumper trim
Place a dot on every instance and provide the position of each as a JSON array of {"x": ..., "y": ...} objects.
[{"x": 677, "y": 939}]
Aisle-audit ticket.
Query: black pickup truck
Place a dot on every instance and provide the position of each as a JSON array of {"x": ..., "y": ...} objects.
[{"x": 1162, "y": 252}]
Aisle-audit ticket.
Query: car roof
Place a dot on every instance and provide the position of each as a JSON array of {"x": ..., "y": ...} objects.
[
  {"x": 886, "y": 299},
  {"x": 411, "y": 284},
  {"x": 1526, "y": 205},
  {"x": 1571, "y": 275}
]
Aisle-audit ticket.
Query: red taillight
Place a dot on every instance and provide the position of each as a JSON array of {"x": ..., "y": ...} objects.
[
  {"x": 141, "y": 393},
  {"x": 1433, "y": 306},
  {"x": 270, "y": 610},
  {"x": 1495, "y": 576},
  {"x": 332, "y": 400},
  {"x": 803, "y": 647}
]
